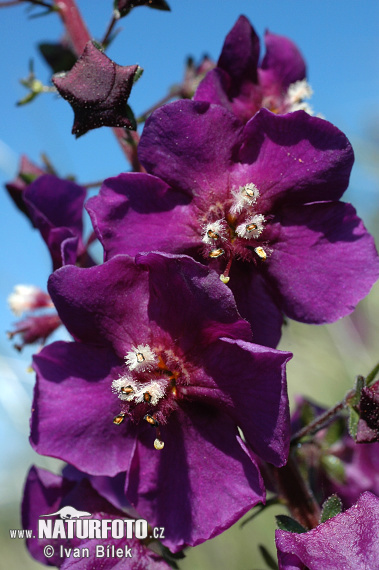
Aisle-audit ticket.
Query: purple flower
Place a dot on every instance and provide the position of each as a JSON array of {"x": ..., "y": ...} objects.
[
  {"x": 56, "y": 209},
  {"x": 97, "y": 90},
  {"x": 243, "y": 87},
  {"x": 160, "y": 375},
  {"x": 348, "y": 541},
  {"x": 45, "y": 494},
  {"x": 259, "y": 202}
]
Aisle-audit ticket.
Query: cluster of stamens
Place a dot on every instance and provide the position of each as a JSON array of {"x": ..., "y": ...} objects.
[
  {"x": 296, "y": 94},
  {"x": 146, "y": 382},
  {"x": 240, "y": 221}
]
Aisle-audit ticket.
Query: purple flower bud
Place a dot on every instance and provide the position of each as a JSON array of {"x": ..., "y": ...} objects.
[
  {"x": 27, "y": 173},
  {"x": 97, "y": 90},
  {"x": 35, "y": 328},
  {"x": 368, "y": 425},
  {"x": 123, "y": 7}
]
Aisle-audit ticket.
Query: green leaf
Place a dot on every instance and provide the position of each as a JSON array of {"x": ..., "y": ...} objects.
[
  {"x": 335, "y": 431},
  {"x": 334, "y": 468},
  {"x": 331, "y": 508},
  {"x": 307, "y": 414},
  {"x": 371, "y": 376},
  {"x": 353, "y": 423},
  {"x": 270, "y": 561},
  {"x": 288, "y": 523}
]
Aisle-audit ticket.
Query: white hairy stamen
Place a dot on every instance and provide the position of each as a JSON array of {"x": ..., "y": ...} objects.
[
  {"x": 296, "y": 94},
  {"x": 125, "y": 388},
  {"x": 214, "y": 231},
  {"x": 151, "y": 392},
  {"x": 140, "y": 358},
  {"x": 244, "y": 197},
  {"x": 252, "y": 228}
]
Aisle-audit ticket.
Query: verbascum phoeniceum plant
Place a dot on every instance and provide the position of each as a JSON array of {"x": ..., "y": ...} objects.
[{"x": 167, "y": 401}]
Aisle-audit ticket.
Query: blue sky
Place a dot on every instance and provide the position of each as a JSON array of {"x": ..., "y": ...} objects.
[{"x": 339, "y": 40}]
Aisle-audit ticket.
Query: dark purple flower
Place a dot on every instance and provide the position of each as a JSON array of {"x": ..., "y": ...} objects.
[
  {"x": 368, "y": 424},
  {"x": 97, "y": 90},
  {"x": 348, "y": 541},
  {"x": 45, "y": 494},
  {"x": 259, "y": 202},
  {"x": 27, "y": 173},
  {"x": 123, "y": 7},
  {"x": 161, "y": 374},
  {"x": 242, "y": 86},
  {"x": 56, "y": 209},
  {"x": 34, "y": 328}
]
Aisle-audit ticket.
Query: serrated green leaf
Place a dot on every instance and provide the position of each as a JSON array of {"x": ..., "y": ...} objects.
[
  {"x": 359, "y": 385},
  {"x": 267, "y": 557},
  {"x": 288, "y": 523},
  {"x": 331, "y": 508},
  {"x": 334, "y": 468}
]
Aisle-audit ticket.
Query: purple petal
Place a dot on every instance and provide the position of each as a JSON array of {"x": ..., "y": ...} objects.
[
  {"x": 192, "y": 305},
  {"x": 283, "y": 62},
  {"x": 295, "y": 158},
  {"x": 240, "y": 53},
  {"x": 248, "y": 382},
  {"x": 191, "y": 146},
  {"x": 74, "y": 406},
  {"x": 56, "y": 209},
  {"x": 156, "y": 217},
  {"x": 105, "y": 304},
  {"x": 214, "y": 88},
  {"x": 323, "y": 261},
  {"x": 42, "y": 495},
  {"x": 348, "y": 541},
  {"x": 257, "y": 303},
  {"x": 172, "y": 489}
]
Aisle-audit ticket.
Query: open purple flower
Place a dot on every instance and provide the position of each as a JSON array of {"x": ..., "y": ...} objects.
[
  {"x": 348, "y": 541},
  {"x": 97, "y": 90},
  {"x": 242, "y": 86},
  {"x": 47, "y": 494},
  {"x": 56, "y": 209},
  {"x": 259, "y": 202},
  {"x": 160, "y": 375}
]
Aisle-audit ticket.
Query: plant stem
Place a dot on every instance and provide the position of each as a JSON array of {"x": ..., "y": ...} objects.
[
  {"x": 111, "y": 25},
  {"x": 322, "y": 420},
  {"x": 299, "y": 499},
  {"x": 79, "y": 35}
]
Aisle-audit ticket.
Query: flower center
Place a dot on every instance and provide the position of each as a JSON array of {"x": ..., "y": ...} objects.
[
  {"x": 234, "y": 229},
  {"x": 148, "y": 390}
]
